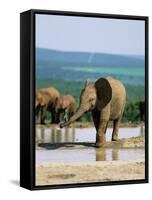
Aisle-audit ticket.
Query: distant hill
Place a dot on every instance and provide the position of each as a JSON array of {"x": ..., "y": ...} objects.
[
  {"x": 91, "y": 59},
  {"x": 78, "y": 66}
]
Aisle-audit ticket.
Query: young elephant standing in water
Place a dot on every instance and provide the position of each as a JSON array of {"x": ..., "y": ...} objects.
[{"x": 106, "y": 100}]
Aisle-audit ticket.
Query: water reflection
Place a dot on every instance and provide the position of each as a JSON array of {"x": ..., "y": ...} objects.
[
  {"x": 71, "y": 135},
  {"x": 142, "y": 130},
  {"x": 88, "y": 155},
  {"x": 55, "y": 135},
  {"x": 66, "y": 135},
  {"x": 54, "y": 138},
  {"x": 107, "y": 154},
  {"x": 118, "y": 154},
  {"x": 101, "y": 155},
  {"x": 43, "y": 135},
  {"x": 114, "y": 154}
]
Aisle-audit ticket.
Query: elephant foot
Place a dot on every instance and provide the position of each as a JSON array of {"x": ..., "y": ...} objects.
[
  {"x": 99, "y": 144},
  {"x": 100, "y": 140},
  {"x": 115, "y": 138}
]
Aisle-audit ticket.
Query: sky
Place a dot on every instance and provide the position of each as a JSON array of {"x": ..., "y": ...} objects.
[{"x": 86, "y": 34}]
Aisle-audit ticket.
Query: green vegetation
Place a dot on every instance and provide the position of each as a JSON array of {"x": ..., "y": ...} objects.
[
  {"x": 77, "y": 66},
  {"x": 109, "y": 70},
  {"x": 134, "y": 94},
  {"x": 66, "y": 71},
  {"x": 131, "y": 113}
]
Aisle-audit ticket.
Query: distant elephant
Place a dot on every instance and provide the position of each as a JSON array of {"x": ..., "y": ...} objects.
[
  {"x": 67, "y": 105},
  {"x": 45, "y": 101},
  {"x": 106, "y": 99}
]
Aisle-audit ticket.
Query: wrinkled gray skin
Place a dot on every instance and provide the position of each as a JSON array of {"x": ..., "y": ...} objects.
[{"x": 106, "y": 100}]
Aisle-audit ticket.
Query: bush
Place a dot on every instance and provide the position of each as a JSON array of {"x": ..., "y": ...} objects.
[{"x": 131, "y": 112}]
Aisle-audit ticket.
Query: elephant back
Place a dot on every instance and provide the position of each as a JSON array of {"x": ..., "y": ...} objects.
[{"x": 48, "y": 95}]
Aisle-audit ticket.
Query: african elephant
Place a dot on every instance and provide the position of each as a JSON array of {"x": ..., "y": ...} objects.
[
  {"x": 45, "y": 101},
  {"x": 105, "y": 98},
  {"x": 67, "y": 105}
]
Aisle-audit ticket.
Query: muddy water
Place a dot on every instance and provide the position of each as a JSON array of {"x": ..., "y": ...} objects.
[{"x": 79, "y": 153}]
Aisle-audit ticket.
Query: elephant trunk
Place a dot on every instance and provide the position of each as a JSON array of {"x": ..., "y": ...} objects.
[{"x": 77, "y": 115}]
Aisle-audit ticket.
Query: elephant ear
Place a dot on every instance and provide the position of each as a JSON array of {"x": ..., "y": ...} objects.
[{"x": 104, "y": 92}]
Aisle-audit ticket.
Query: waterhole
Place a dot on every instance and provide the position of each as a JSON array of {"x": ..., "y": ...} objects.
[{"x": 65, "y": 145}]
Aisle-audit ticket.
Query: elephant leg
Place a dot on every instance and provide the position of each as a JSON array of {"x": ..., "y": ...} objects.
[
  {"x": 116, "y": 123},
  {"x": 101, "y": 127},
  {"x": 38, "y": 117},
  {"x": 53, "y": 117},
  {"x": 101, "y": 136},
  {"x": 96, "y": 116},
  {"x": 57, "y": 117},
  {"x": 38, "y": 114},
  {"x": 106, "y": 127},
  {"x": 42, "y": 115}
]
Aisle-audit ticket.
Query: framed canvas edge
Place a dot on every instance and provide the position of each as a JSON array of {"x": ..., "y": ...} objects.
[
  {"x": 27, "y": 156},
  {"x": 31, "y": 160}
]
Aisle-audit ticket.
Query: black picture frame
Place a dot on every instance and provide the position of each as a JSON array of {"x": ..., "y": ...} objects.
[{"x": 27, "y": 98}]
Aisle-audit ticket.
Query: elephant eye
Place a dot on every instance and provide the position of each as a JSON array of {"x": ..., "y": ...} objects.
[{"x": 91, "y": 99}]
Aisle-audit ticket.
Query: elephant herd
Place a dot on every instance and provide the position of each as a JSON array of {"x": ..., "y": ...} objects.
[
  {"x": 105, "y": 99},
  {"x": 49, "y": 99}
]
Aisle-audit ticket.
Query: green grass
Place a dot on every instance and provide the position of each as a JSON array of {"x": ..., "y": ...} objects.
[{"x": 109, "y": 70}]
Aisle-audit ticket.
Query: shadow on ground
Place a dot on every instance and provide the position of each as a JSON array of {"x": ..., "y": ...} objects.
[
  {"x": 50, "y": 146},
  {"x": 15, "y": 182}
]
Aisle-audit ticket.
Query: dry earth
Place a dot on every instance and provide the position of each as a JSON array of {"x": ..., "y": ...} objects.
[{"x": 101, "y": 171}]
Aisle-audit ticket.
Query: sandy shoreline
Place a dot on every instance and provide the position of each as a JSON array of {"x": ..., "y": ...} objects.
[
  {"x": 52, "y": 173},
  {"x": 133, "y": 142},
  {"x": 101, "y": 171}
]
